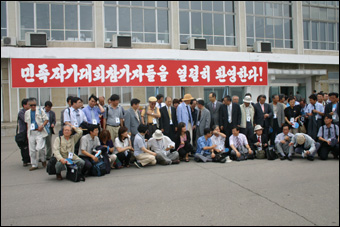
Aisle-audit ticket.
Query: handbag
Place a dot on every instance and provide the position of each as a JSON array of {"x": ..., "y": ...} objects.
[
  {"x": 20, "y": 138},
  {"x": 302, "y": 128},
  {"x": 50, "y": 169},
  {"x": 73, "y": 173},
  {"x": 261, "y": 154},
  {"x": 271, "y": 154}
]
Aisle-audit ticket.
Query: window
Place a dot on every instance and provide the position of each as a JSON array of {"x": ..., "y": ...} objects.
[
  {"x": 220, "y": 92},
  {"x": 144, "y": 21},
  {"x": 321, "y": 25},
  {"x": 3, "y": 19},
  {"x": 71, "y": 20},
  {"x": 154, "y": 91},
  {"x": 213, "y": 20},
  {"x": 41, "y": 94},
  {"x": 269, "y": 21},
  {"x": 125, "y": 94},
  {"x": 81, "y": 92}
]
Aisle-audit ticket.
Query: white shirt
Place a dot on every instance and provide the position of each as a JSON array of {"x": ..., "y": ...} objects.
[
  {"x": 73, "y": 119},
  {"x": 123, "y": 144},
  {"x": 161, "y": 145},
  {"x": 219, "y": 141}
]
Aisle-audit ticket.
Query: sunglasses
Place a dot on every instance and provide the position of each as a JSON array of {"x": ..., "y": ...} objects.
[{"x": 33, "y": 105}]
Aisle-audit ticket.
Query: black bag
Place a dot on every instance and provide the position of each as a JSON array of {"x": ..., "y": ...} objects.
[
  {"x": 105, "y": 158},
  {"x": 98, "y": 168},
  {"x": 73, "y": 173},
  {"x": 21, "y": 138},
  {"x": 50, "y": 169},
  {"x": 218, "y": 158},
  {"x": 271, "y": 154}
]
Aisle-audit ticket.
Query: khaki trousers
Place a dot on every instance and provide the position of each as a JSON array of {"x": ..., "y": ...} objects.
[
  {"x": 146, "y": 159},
  {"x": 113, "y": 131}
]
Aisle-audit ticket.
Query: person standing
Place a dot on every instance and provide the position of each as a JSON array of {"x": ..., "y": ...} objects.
[
  {"x": 51, "y": 123},
  {"x": 113, "y": 117},
  {"x": 214, "y": 107},
  {"x": 278, "y": 119},
  {"x": 150, "y": 117},
  {"x": 263, "y": 114},
  {"x": 36, "y": 120},
  {"x": 68, "y": 100},
  {"x": 93, "y": 110},
  {"x": 292, "y": 115},
  {"x": 160, "y": 99},
  {"x": 314, "y": 114},
  {"x": 133, "y": 119},
  {"x": 184, "y": 114},
  {"x": 230, "y": 117},
  {"x": 23, "y": 128},
  {"x": 247, "y": 117},
  {"x": 168, "y": 121},
  {"x": 332, "y": 106},
  {"x": 194, "y": 110},
  {"x": 203, "y": 119},
  {"x": 236, "y": 99}
]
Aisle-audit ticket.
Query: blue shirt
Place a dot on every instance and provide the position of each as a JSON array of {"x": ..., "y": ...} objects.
[
  {"x": 201, "y": 143},
  {"x": 139, "y": 143},
  {"x": 88, "y": 113},
  {"x": 33, "y": 119}
]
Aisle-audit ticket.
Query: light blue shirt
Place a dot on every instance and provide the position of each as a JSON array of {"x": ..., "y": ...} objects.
[
  {"x": 139, "y": 143},
  {"x": 87, "y": 111},
  {"x": 318, "y": 106},
  {"x": 201, "y": 143},
  {"x": 77, "y": 116},
  {"x": 183, "y": 115}
]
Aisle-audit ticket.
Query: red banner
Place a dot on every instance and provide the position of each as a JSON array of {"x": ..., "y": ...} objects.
[{"x": 33, "y": 73}]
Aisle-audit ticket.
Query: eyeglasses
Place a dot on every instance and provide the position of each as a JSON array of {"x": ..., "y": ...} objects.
[{"x": 33, "y": 105}]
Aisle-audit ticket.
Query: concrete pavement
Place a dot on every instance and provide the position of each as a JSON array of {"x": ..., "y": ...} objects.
[{"x": 257, "y": 192}]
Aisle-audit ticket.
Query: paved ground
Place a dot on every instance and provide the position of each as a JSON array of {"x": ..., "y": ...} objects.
[{"x": 255, "y": 192}]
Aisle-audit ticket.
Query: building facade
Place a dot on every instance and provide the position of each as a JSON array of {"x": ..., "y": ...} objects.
[{"x": 304, "y": 36}]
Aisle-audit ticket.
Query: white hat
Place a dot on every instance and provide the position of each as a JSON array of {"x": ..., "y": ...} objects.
[
  {"x": 158, "y": 135},
  {"x": 247, "y": 99},
  {"x": 258, "y": 127},
  {"x": 300, "y": 139}
]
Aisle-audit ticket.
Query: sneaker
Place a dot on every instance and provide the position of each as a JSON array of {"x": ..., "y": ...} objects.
[
  {"x": 33, "y": 168},
  {"x": 228, "y": 159},
  {"x": 139, "y": 166}
]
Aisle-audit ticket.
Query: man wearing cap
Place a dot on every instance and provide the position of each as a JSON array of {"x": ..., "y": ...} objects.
[
  {"x": 329, "y": 138},
  {"x": 305, "y": 145},
  {"x": 184, "y": 114},
  {"x": 259, "y": 142},
  {"x": 163, "y": 147},
  {"x": 150, "y": 117},
  {"x": 283, "y": 143},
  {"x": 247, "y": 117}
]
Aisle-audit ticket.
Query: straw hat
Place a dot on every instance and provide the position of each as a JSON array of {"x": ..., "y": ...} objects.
[
  {"x": 158, "y": 135},
  {"x": 258, "y": 127},
  {"x": 247, "y": 99},
  {"x": 152, "y": 99},
  {"x": 187, "y": 97},
  {"x": 300, "y": 139}
]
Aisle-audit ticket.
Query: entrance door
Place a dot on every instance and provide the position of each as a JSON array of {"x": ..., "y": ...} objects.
[{"x": 289, "y": 91}]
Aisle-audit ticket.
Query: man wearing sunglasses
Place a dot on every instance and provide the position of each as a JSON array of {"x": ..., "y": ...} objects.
[{"x": 36, "y": 120}]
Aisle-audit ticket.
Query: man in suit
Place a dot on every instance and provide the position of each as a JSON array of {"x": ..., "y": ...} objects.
[
  {"x": 133, "y": 119},
  {"x": 331, "y": 107},
  {"x": 263, "y": 114},
  {"x": 203, "y": 119},
  {"x": 51, "y": 123},
  {"x": 168, "y": 121},
  {"x": 194, "y": 110},
  {"x": 230, "y": 117},
  {"x": 258, "y": 141},
  {"x": 278, "y": 119},
  {"x": 214, "y": 108},
  {"x": 184, "y": 113}
]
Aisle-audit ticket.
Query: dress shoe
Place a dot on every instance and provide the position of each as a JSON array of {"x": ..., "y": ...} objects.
[
  {"x": 59, "y": 177},
  {"x": 44, "y": 164},
  {"x": 176, "y": 162},
  {"x": 25, "y": 164},
  {"x": 310, "y": 158},
  {"x": 223, "y": 160},
  {"x": 33, "y": 168},
  {"x": 283, "y": 158},
  {"x": 289, "y": 158}
]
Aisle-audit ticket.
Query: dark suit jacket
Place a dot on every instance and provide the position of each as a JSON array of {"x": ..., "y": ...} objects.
[
  {"x": 235, "y": 118},
  {"x": 259, "y": 115},
  {"x": 253, "y": 140},
  {"x": 194, "y": 115},
  {"x": 329, "y": 108},
  {"x": 164, "y": 121},
  {"x": 52, "y": 120}
]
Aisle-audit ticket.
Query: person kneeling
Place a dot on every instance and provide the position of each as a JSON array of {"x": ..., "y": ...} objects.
[
  {"x": 329, "y": 137},
  {"x": 305, "y": 145},
  {"x": 63, "y": 148},
  {"x": 239, "y": 145},
  {"x": 162, "y": 145},
  {"x": 144, "y": 156},
  {"x": 205, "y": 150},
  {"x": 259, "y": 142}
]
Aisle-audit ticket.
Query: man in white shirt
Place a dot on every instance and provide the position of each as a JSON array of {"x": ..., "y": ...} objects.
[
  {"x": 163, "y": 146},
  {"x": 239, "y": 144},
  {"x": 218, "y": 139},
  {"x": 77, "y": 116},
  {"x": 283, "y": 143}
]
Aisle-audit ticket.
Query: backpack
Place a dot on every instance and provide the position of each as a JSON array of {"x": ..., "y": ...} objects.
[
  {"x": 271, "y": 154},
  {"x": 74, "y": 174},
  {"x": 98, "y": 168}
]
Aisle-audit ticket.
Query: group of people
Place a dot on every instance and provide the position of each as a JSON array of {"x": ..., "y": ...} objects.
[{"x": 168, "y": 131}]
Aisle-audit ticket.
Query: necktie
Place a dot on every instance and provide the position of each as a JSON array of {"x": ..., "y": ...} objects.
[
  {"x": 78, "y": 117},
  {"x": 329, "y": 132},
  {"x": 237, "y": 142},
  {"x": 189, "y": 114},
  {"x": 137, "y": 115},
  {"x": 169, "y": 111},
  {"x": 229, "y": 110},
  {"x": 199, "y": 115},
  {"x": 259, "y": 139},
  {"x": 262, "y": 107}
]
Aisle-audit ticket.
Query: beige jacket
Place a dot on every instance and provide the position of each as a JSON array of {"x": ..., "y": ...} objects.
[
  {"x": 61, "y": 150},
  {"x": 244, "y": 115},
  {"x": 39, "y": 118}
]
